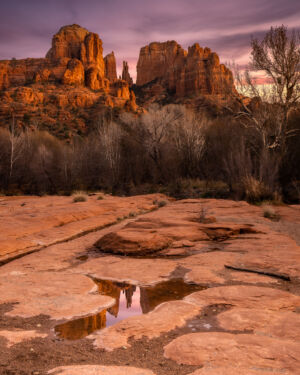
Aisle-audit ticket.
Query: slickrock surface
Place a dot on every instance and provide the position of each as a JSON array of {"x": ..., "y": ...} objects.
[
  {"x": 164, "y": 318},
  {"x": 17, "y": 336},
  {"x": 246, "y": 296},
  {"x": 230, "y": 371},
  {"x": 244, "y": 318},
  {"x": 244, "y": 350},
  {"x": 265, "y": 322},
  {"x": 99, "y": 370},
  {"x": 59, "y": 295},
  {"x": 30, "y": 223}
]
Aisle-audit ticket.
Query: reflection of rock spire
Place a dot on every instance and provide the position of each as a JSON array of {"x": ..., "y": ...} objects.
[
  {"x": 79, "y": 328},
  {"x": 111, "y": 289},
  {"x": 129, "y": 294},
  {"x": 108, "y": 288}
]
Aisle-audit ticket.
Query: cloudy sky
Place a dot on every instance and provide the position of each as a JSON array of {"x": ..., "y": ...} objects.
[{"x": 226, "y": 26}]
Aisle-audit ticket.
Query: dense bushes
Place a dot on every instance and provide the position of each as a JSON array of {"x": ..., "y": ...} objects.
[{"x": 168, "y": 149}]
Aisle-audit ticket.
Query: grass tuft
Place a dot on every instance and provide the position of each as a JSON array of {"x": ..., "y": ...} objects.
[{"x": 79, "y": 198}]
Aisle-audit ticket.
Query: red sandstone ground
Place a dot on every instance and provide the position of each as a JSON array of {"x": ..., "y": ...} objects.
[{"x": 244, "y": 321}]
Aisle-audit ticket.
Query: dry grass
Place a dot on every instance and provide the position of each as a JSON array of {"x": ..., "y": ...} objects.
[
  {"x": 79, "y": 198},
  {"x": 270, "y": 213}
]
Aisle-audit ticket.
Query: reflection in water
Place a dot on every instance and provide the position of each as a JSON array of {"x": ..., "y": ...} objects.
[{"x": 130, "y": 301}]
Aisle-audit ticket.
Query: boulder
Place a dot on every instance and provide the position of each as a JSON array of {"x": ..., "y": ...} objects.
[{"x": 132, "y": 242}]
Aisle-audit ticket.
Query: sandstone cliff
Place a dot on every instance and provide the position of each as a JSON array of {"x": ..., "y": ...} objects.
[
  {"x": 75, "y": 58},
  {"x": 184, "y": 73},
  {"x": 89, "y": 84},
  {"x": 70, "y": 86}
]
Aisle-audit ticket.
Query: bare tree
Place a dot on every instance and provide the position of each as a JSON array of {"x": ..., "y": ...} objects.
[
  {"x": 189, "y": 138},
  {"x": 277, "y": 55},
  {"x": 110, "y": 135},
  {"x": 16, "y": 139},
  {"x": 153, "y": 128},
  {"x": 157, "y": 123}
]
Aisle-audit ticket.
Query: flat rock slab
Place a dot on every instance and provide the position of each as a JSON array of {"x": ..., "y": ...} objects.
[
  {"x": 99, "y": 370},
  {"x": 30, "y": 223},
  {"x": 233, "y": 371},
  {"x": 284, "y": 324},
  {"x": 170, "y": 226},
  {"x": 246, "y": 296},
  {"x": 164, "y": 318},
  {"x": 252, "y": 278},
  {"x": 220, "y": 349},
  {"x": 17, "y": 336},
  {"x": 269, "y": 252},
  {"x": 134, "y": 271},
  {"x": 59, "y": 295}
]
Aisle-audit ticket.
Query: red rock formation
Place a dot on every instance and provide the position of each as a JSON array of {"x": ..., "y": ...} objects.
[
  {"x": 110, "y": 67},
  {"x": 76, "y": 59},
  {"x": 157, "y": 59},
  {"x": 74, "y": 51},
  {"x": 131, "y": 103},
  {"x": 95, "y": 81},
  {"x": 120, "y": 89},
  {"x": 196, "y": 72},
  {"x": 68, "y": 43},
  {"x": 125, "y": 74},
  {"x": 74, "y": 75}
]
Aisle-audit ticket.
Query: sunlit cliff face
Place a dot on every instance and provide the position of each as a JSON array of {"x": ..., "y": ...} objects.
[{"x": 125, "y": 26}]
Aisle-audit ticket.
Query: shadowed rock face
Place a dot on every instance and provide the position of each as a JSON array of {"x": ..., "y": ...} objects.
[{"x": 185, "y": 73}]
